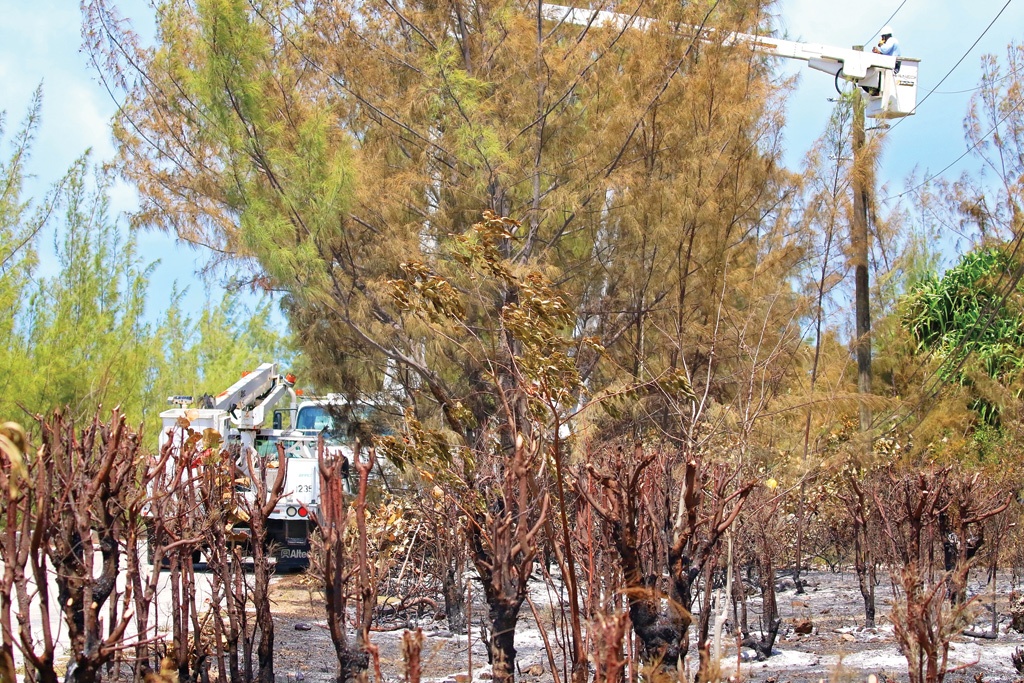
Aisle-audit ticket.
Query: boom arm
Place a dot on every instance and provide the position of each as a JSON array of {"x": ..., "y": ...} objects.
[
  {"x": 890, "y": 82},
  {"x": 245, "y": 391},
  {"x": 248, "y": 400}
]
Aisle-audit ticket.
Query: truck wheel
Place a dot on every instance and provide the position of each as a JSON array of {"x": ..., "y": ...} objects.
[{"x": 151, "y": 543}]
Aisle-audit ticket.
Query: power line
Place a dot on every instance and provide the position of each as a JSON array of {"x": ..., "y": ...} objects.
[
  {"x": 958, "y": 62},
  {"x": 978, "y": 87},
  {"x": 959, "y": 158},
  {"x": 887, "y": 21}
]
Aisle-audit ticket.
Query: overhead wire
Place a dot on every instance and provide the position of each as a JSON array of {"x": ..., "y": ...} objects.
[
  {"x": 959, "y": 158},
  {"x": 959, "y": 354},
  {"x": 935, "y": 90},
  {"x": 978, "y": 87},
  {"x": 887, "y": 21}
]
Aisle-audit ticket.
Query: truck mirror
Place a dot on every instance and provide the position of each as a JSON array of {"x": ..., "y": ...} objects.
[{"x": 277, "y": 419}]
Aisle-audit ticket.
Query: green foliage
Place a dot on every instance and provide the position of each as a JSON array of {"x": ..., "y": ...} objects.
[
  {"x": 19, "y": 226},
  {"x": 77, "y": 332},
  {"x": 972, "y": 321},
  {"x": 973, "y": 310},
  {"x": 87, "y": 343},
  {"x": 283, "y": 171}
]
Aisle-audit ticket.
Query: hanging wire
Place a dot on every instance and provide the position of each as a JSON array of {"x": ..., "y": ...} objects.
[
  {"x": 977, "y": 87},
  {"x": 959, "y": 158},
  {"x": 887, "y": 21},
  {"x": 958, "y": 62}
]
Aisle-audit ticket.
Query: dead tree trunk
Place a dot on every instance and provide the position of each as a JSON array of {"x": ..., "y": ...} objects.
[
  {"x": 705, "y": 510},
  {"x": 259, "y": 513},
  {"x": 24, "y": 484},
  {"x": 764, "y": 535},
  {"x": 701, "y": 520},
  {"x": 911, "y": 507},
  {"x": 94, "y": 472},
  {"x": 859, "y": 509},
  {"x": 502, "y": 543},
  {"x": 331, "y": 520}
]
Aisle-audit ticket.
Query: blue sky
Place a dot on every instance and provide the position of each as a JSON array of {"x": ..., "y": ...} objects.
[
  {"x": 940, "y": 33},
  {"x": 39, "y": 42}
]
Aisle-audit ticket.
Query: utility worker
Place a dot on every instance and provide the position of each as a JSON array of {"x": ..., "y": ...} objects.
[{"x": 887, "y": 45}]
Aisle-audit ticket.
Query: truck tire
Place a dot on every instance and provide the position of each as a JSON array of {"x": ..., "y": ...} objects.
[{"x": 151, "y": 543}]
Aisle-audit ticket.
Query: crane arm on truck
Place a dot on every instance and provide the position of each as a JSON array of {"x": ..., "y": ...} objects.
[
  {"x": 247, "y": 388},
  {"x": 243, "y": 406},
  {"x": 247, "y": 401},
  {"x": 239, "y": 414},
  {"x": 890, "y": 83}
]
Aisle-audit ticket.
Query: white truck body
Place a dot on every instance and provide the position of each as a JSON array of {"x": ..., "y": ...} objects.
[{"x": 239, "y": 415}]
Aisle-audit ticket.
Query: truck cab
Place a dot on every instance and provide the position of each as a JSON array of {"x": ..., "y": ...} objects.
[{"x": 238, "y": 416}]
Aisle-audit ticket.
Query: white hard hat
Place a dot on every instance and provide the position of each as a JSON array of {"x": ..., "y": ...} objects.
[{"x": 886, "y": 30}]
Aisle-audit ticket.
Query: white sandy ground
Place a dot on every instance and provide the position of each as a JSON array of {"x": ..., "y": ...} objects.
[
  {"x": 839, "y": 649},
  {"x": 159, "y": 612},
  {"x": 885, "y": 658}
]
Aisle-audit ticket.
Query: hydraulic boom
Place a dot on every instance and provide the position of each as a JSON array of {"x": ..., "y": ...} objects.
[{"x": 890, "y": 83}]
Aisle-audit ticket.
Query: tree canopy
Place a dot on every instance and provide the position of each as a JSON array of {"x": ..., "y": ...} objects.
[
  {"x": 326, "y": 145},
  {"x": 78, "y": 332}
]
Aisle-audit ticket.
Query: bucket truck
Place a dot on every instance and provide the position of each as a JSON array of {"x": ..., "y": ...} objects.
[
  {"x": 239, "y": 415},
  {"x": 889, "y": 83}
]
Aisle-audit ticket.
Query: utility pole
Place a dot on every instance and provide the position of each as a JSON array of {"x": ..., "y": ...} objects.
[
  {"x": 859, "y": 248},
  {"x": 859, "y": 243}
]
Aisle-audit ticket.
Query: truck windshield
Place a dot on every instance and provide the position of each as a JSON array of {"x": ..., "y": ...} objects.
[
  {"x": 293, "y": 448},
  {"x": 317, "y": 418}
]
